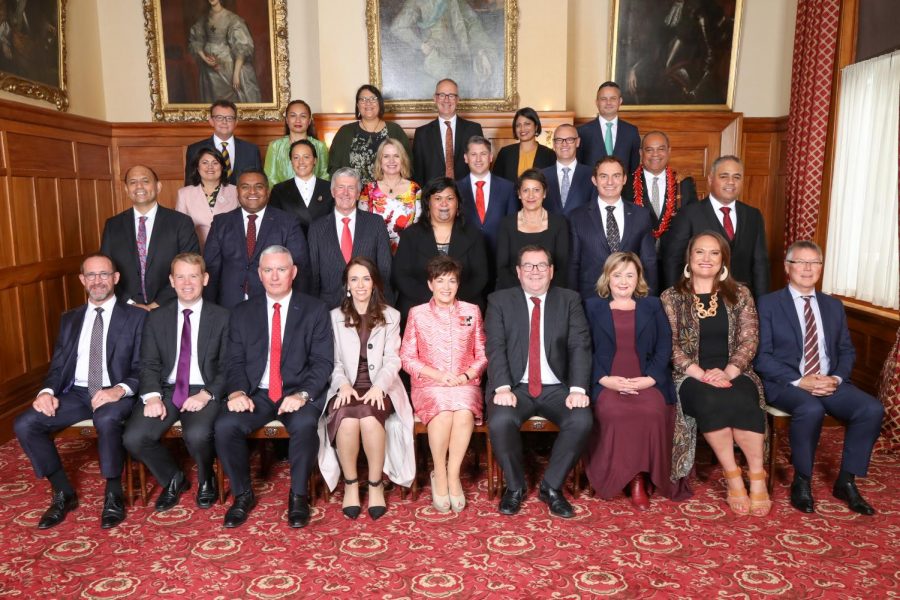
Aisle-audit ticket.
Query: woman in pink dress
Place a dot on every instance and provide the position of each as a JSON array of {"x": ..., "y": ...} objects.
[
  {"x": 209, "y": 194},
  {"x": 443, "y": 352}
]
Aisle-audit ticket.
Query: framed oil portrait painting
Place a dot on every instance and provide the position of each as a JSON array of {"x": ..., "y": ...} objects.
[
  {"x": 413, "y": 44},
  {"x": 200, "y": 51},
  {"x": 680, "y": 54},
  {"x": 33, "y": 50}
]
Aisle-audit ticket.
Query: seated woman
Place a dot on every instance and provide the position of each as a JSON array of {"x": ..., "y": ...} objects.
[
  {"x": 209, "y": 194},
  {"x": 392, "y": 195},
  {"x": 715, "y": 334},
  {"x": 532, "y": 225},
  {"x": 304, "y": 194},
  {"x": 366, "y": 398},
  {"x": 633, "y": 394},
  {"x": 513, "y": 160},
  {"x": 443, "y": 352},
  {"x": 298, "y": 125}
]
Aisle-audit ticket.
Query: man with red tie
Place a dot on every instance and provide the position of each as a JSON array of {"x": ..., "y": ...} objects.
[
  {"x": 280, "y": 356},
  {"x": 485, "y": 198}
]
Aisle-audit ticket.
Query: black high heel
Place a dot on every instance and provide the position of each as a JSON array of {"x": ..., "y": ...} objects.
[
  {"x": 376, "y": 512},
  {"x": 351, "y": 512}
]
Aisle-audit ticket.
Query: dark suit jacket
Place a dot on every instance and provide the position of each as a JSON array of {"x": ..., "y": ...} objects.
[
  {"x": 567, "y": 341},
  {"x": 307, "y": 353},
  {"x": 781, "y": 340},
  {"x": 161, "y": 339},
  {"x": 502, "y": 201},
  {"x": 581, "y": 190},
  {"x": 226, "y": 254},
  {"x": 506, "y": 165},
  {"x": 653, "y": 342},
  {"x": 285, "y": 196},
  {"x": 370, "y": 239},
  {"x": 627, "y": 147},
  {"x": 172, "y": 234},
  {"x": 749, "y": 256},
  {"x": 428, "y": 149},
  {"x": 247, "y": 157},
  {"x": 590, "y": 248},
  {"x": 123, "y": 347}
]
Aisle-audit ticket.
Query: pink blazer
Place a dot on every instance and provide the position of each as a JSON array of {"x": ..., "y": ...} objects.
[{"x": 192, "y": 202}]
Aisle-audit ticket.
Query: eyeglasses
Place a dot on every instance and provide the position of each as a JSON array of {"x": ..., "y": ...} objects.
[
  {"x": 102, "y": 276},
  {"x": 367, "y": 100},
  {"x": 443, "y": 96},
  {"x": 224, "y": 119},
  {"x": 564, "y": 141},
  {"x": 529, "y": 267},
  {"x": 805, "y": 263}
]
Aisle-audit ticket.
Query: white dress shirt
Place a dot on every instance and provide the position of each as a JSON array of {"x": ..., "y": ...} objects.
[
  {"x": 720, "y": 216},
  {"x": 196, "y": 377},
  {"x": 306, "y": 188},
  {"x": 615, "y": 128},
  {"x": 660, "y": 185},
  {"x": 259, "y": 218},
  {"x": 339, "y": 224},
  {"x": 444, "y": 134},
  {"x": 486, "y": 178},
  {"x": 232, "y": 147},
  {"x": 148, "y": 224},
  {"x": 800, "y": 306},
  {"x": 270, "y": 310},
  {"x": 618, "y": 215}
]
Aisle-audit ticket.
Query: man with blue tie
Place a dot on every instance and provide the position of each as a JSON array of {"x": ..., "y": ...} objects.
[
  {"x": 93, "y": 375},
  {"x": 569, "y": 183},
  {"x": 608, "y": 135},
  {"x": 805, "y": 357},
  {"x": 485, "y": 198}
]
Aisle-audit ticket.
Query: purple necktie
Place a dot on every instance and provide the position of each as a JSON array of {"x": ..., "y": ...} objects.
[
  {"x": 142, "y": 253},
  {"x": 183, "y": 373}
]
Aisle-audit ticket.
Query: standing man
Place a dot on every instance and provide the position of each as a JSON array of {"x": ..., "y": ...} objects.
[
  {"x": 607, "y": 225},
  {"x": 143, "y": 240},
  {"x": 569, "y": 183},
  {"x": 239, "y": 154},
  {"x": 485, "y": 198},
  {"x": 608, "y": 135},
  {"x": 722, "y": 212},
  {"x": 342, "y": 234},
  {"x": 182, "y": 378},
  {"x": 539, "y": 363},
  {"x": 93, "y": 375},
  {"x": 805, "y": 358},
  {"x": 280, "y": 356},
  {"x": 237, "y": 238},
  {"x": 438, "y": 146}
]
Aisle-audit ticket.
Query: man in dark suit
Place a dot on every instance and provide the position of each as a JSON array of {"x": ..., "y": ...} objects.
[
  {"x": 239, "y": 154},
  {"x": 280, "y": 356},
  {"x": 432, "y": 141},
  {"x": 342, "y": 234},
  {"x": 237, "y": 238},
  {"x": 182, "y": 378},
  {"x": 305, "y": 196},
  {"x": 486, "y": 198},
  {"x": 93, "y": 375},
  {"x": 608, "y": 135},
  {"x": 606, "y": 225},
  {"x": 805, "y": 358},
  {"x": 722, "y": 212},
  {"x": 569, "y": 184},
  {"x": 539, "y": 363},
  {"x": 143, "y": 240}
]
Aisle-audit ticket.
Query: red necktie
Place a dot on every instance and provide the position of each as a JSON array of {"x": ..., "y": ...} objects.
[
  {"x": 479, "y": 200},
  {"x": 811, "y": 364},
  {"x": 251, "y": 235},
  {"x": 534, "y": 350},
  {"x": 726, "y": 223},
  {"x": 448, "y": 151},
  {"x": 346, "y": 241},
  {"x": 275, "y": 356}
]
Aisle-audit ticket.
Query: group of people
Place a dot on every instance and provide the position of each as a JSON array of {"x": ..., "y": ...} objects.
[{"x": 615, "y": 304}]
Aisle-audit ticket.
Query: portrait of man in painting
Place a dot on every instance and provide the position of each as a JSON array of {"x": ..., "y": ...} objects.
[{"x": 29, "y": 40}]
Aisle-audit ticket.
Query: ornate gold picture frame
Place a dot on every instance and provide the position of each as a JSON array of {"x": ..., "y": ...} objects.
[
  {"x": 415, "y": 43},
  {"x": 199, "y": 52},
  {"x": 33, "y": 50}
]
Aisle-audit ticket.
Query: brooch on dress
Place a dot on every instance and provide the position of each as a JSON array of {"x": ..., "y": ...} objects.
[{"x": 466, "y": 321}]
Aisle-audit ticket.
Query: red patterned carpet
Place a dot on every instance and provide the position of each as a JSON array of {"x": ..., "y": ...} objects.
[{"x": 695, "y": 549}]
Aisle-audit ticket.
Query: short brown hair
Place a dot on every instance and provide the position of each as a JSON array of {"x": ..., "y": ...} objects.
[
  {"x": 443, "y": 264},
  {"x": 616, "y": 261},
  {"x": 189, "y": 258},
  {"x": 609, "y": 158}
]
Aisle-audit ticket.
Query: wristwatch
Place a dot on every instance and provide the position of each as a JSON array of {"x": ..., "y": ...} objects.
[
  {"x": 304, "y": 396},
  {"x": 211, "y": 395}
]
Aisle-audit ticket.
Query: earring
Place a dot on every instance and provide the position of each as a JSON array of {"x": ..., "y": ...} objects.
[
  {"x": 724, "y": 275},
  {"x": 686, "y": 272},
  {"x": 348, "y": 293}
]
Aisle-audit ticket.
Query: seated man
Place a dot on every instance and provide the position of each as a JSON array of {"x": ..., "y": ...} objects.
[
  {"x": 93, "y": 375},
  {"x": 280, "y": 356},
  {"x": 182, "y": 378},
  {"x": 539, "y": 363},
  {"x": 804, "y": 359}
]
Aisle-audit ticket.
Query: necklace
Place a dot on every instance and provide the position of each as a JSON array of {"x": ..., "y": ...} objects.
[
  {"x": 706, "y": 312},
  {"x": 374, "y": 129},
  {"x": 391, "y": 186},
  {"x": 525, "y": 221}
]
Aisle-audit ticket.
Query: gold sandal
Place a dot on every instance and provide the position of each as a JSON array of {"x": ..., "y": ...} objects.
[
  {"x": 738, "y": 501},
  {"x": 760, "y": 504}
]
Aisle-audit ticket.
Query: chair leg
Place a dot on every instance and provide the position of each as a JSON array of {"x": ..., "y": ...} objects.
[
  {"x": 220, "y": 480},
  {"x": 129, "y": 481},
  {"x": 773, "y": 451},
  {"x": 489, "y": 460},
  {"x": 142, "y": 481}
]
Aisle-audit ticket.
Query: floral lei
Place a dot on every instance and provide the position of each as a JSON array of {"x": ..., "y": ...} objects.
[{"x": 673, "y": 190}]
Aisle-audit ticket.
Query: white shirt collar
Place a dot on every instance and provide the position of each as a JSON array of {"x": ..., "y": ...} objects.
[
  {"x": 485, "y": 178},
  {"x": 151, "y": 214},
  {"x": 603, "y": 122},
  {"x": 284, "y": 302},
  {"x": 603, "y": 204},
  {"x": 717, "y": 204},
  {"x": 195, "y": 309},
  {"x": 795, "y": 294},
  {"x": 107, "y": 305},
  {"x": 219, "y": 141},
  {"x": 259, "y": 214}
]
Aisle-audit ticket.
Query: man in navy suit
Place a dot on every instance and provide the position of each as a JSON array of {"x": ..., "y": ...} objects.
[
  {"x": 485, "y": 198},
  {"x": 580, "y": 190},
  {"x": 607, "y": 225},
  {"x": 238, "y": 237},
  {"x": 93, "y": 375},
  {"x": 342, "y": 234},
  {"x": 805, "y": 357},
  {"x": 240, "y": 154},
  {"x": 280, "y": 357},
  {"x": 608, "y": 135}
]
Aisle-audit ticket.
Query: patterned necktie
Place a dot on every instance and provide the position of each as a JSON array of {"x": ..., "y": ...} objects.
[
  {"x": 275, "y": 355},
  {"x": 612, "y": 230},
  {"x": 654, "y": 197},
  {"x": 346, "y": 240},
  {"x": 183, "y": 372},
  {"x": 142, "y": 254},
  {"x": 95, "y": 356},
  {"x": 534, "y": 350},
  {"x": 227, "y": 158},
  {"x": 564, "y": 186},
  {"x": 251, "y": 235},
  {"x": 448, "y": 151},
  {"x": 479, "y": 200},
  {"x": 608, "y": 139},
  {"x": 726, "y": 223},
  {"x": 811, "y": 364}
]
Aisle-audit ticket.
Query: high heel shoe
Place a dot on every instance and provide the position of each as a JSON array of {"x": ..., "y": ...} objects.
[
  {"x": 458, "y": 503},
  {"x": 353, "y": 511},
  {"x": 376, "y": 512},
  {"x": 441, "y": 503},
  {"x": 738, "y": 501},
  {"x": 760, "y": 504}
]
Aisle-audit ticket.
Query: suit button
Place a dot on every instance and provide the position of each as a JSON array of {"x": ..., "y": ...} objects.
[
  {"x": 370, "y": 346},
  {"x": 371, "y": 367}
]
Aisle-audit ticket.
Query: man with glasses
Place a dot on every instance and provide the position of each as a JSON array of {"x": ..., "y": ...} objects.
[
  {"x": 439, "y": 146},
  {"x": 539, "y": 363},
  {"x": 805, "y": 357},
  {"x": 568, "y": 181},
  {"x": 239, "y": 154},
  {"x": 93, "y": 375}
]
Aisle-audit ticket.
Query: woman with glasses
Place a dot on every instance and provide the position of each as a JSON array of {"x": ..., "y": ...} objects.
[
  {"x": 298, "y": 125},
  {"x": 515, "y": 159},
  {"x": 209, "y": 194}
]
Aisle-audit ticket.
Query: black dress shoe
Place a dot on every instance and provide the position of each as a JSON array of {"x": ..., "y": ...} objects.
[
  {"x": 207, "y": 494},
  {"x": 240, "y": 510},
  {"x": 60, "y": 505},
  {"x": 511, "y": 502},
  {"x": 801, "y": 495},
  {"x": 298, "y": 510},
  {"x": 113, "y": 510},
  {"x": 172, "y": 492},
  {"x": 849, "y": 494},
  {"x": 558, "y": 504}
]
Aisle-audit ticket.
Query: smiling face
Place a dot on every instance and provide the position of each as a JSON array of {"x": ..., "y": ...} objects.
[
  {"x": 390, "y": 160},
  {"x": 535, "y": 282},
  {"x": 727, "y": 182},
  {"x": 367, "y": 105},
  {"x": 446, "y": 96},
  {"x": 565, "y": 143},
  {"x": 99, "y": 278},
  {"x": 302, "y": 161},
  {"x": 655, "y": 153},
  {"x": 359, "y": 283},
  {"x": 705, "y": 258},
  {"x": 253, "y": 192},
  {"x": 805, "y": 272},
  {"x": 142, "y": 187},
  {"x": 525, "y": 129},
  {"x": 444, "y": 288},
  {"x": 623, "y": 281},
  {"x": 298, "y": 118},
  {"x": 209, "y": 168},
  {"x": 188, "y": 280},
  {"x": 609, "y": 99},
  {"x": 345, "y": 192},
  {"x": 609, "y": 178},
  {"x": 223, "y": 120},
  {"x": 532, "y": 194},
  {"x": 443, "y": 206},
  {"x": 478, "y": 157},
  {"x": 277, "y": 273}
]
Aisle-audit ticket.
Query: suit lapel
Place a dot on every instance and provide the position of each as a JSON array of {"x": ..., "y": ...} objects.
[
  {"x": 790, "y": 315},
  {"x": 116, "y": 320},
  {"x": 203, "y": 338},
  {"x": 627, "y": 225},
  {"x": 827, "y": 321},
  {"x": 741, "y": 211},
  {"x": 597, "y": 225},
  {"x": 262, "y": 231},
  {"x": 359, "y": 234},
  {"x": 291, "y": 316},
  {"x": 642, "y": 317},
  {"x": 712, "y": 221},
  {"x": 606, "y": 323}
]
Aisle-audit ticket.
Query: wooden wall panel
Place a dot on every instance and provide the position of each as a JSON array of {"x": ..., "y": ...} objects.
[
  {"x": 34, "y": 326},
  {"x": 7, "y": 255},
  {"x": 873, "y": 334},
  {"x": 70, "y": 218},
  {"x": 12, "y": 348},
  {"x": 93, "y": 160},
  {"x": 40, "y": 155},
  {"x": 48, "y": 218},
  {"x": 24, "y": 220}
]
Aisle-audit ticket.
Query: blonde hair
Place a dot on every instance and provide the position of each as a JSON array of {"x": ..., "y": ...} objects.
[
  {"x": 405, "y": 167},
  {"x": 616, "y": 261}
]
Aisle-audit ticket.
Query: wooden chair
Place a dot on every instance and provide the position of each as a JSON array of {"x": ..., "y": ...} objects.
[
  {"x": 779, "y": 427},
  {"x": 86, "y": 430},
  {"x": 421, "y": 430}
]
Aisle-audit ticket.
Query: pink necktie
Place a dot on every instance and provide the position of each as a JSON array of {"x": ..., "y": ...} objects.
[{"x": 534, "y": 350}]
